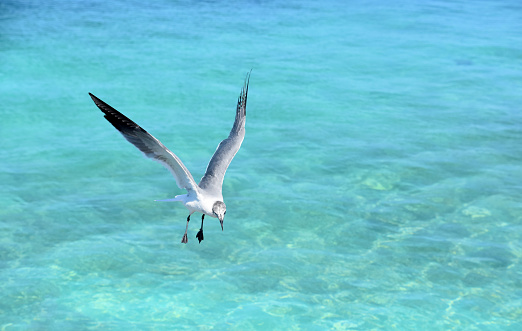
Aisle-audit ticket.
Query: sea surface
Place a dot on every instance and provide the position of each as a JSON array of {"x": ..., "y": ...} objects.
[{"x": 379, "y": 185}]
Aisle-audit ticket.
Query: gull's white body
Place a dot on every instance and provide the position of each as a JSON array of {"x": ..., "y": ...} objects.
[
  {"x": 205, "y": 197},
  {"x": 200, "y": 202}
]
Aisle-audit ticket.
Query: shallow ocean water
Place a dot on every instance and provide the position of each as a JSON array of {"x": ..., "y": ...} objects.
[{"x": 378, "y": 186}]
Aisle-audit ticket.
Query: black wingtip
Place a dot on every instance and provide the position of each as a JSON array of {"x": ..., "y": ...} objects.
[
  {"x": 244, "y": 91},
  {"x": 247, "y": 79},
  {"x": 96, "y": 100},
  {"x": 121, "y": 122}
]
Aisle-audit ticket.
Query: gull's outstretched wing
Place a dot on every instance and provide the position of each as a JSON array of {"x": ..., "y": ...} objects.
[
  {"x": 147, "y": 144},
  {"x": 227, "y": 149}
]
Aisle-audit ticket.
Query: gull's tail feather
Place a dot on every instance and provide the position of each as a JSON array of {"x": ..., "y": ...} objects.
[{"x": 176, "y": 198}]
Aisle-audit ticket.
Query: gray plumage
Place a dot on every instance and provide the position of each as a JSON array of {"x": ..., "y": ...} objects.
[{"x": 205, "y": 196}]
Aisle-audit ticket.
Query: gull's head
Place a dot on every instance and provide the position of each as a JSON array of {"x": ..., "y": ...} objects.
[{"x": 219, "y": 209}]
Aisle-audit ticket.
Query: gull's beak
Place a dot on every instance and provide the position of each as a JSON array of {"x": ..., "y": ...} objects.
[{"x": 221, "y": 221}]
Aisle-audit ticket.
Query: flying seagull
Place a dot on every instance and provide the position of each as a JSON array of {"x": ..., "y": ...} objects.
[{"x": 205, "y": 197}]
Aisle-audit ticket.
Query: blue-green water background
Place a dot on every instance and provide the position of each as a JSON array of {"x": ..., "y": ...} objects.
[{"x": 379, "y": 185}]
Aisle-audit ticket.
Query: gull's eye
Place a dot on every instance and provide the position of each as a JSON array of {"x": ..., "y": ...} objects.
[{"x": 225, "y": 213}]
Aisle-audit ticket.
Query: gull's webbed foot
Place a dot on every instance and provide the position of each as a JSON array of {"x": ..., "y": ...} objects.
[
  {"x": 199, "y": 235},
  {"x": 185, "y": 239}
]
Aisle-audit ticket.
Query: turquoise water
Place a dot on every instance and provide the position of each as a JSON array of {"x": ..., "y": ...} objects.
[{"x": 379, "y": 185}]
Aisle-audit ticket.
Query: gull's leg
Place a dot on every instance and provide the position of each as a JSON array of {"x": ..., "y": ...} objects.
[
  {"x": 200, "y": 233},
  {"x": 184, "y": 239}
]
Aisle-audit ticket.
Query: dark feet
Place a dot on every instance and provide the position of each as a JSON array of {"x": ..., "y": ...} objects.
[
  {"x": 184, "y": 239},
  {"x": 200, "y": 235}
]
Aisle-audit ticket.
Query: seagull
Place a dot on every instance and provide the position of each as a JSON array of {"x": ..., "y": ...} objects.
[{"x": 205, "y": 197}]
